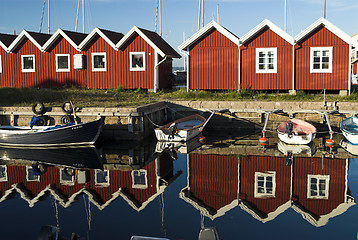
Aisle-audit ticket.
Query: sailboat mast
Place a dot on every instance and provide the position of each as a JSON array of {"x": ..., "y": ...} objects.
[
  {"x": 285, "y": 16},
  {"x": 83, "y": 15},
  {"x": 48, "y": 14},
  {"x": 324, "y": 8},
  {"x": 199, "y": 12},
  {"x": 202, "y": 13},
  {"x": 160, "y": 17},
  {"x": 217, "y": 13}
]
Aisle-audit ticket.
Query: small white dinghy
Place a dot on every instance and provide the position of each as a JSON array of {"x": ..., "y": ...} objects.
[
  {"x": 349, "y": 128},
  {"x": 182, "y": 129},
  {"x": 296, "y": 131}
]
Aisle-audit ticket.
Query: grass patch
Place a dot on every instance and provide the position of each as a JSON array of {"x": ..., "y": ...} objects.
[{"x": 121, "y": 97}]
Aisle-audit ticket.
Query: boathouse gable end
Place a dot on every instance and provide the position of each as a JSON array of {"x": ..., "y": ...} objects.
[
  {"x": 322, "y": 58},
  {"x": 266, "y": 56},
  {"x": 213, "y": 58}
]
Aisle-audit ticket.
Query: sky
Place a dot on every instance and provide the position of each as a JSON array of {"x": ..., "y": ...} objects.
[{"x": 179, "y": 17}]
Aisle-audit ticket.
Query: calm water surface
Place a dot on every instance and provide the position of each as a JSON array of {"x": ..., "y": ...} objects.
[{"x": 243, "y": 190}]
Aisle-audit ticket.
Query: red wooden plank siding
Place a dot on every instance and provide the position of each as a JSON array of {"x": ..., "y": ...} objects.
[
  {"x": 214, "y": 63},
  {"x": 338, "y": 79},
  {"x": 213, "y": 179},
  {"x": 251, "y": 164},
  {"x": 282, "y": 80},
  {"x": 335, "y": 168}
]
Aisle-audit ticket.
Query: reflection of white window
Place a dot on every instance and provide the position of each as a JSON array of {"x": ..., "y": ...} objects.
[
  {"x": 321, "y": 59},
  {"x": 0, "y": 65},
  {"x": 102, "y": 177},
  {"x": 266, "y": 60},
  {"x": 28, "y": 63},
  {"x": 31, "y": 175},
  {"x": 137, "y": 61},
  {"x": 318, "y": 186},
  {"x": 139, "y": 179},
  {"x": 66, "y": 177},
  {"x": 62, "y": 62},
  {"x": 265, "y": 184},
  {"x": 3, "y": 173},
  {"x": 99, "y": 62}
]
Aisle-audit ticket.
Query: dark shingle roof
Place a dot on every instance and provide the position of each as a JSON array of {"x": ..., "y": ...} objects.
[
  {"x": 76, "y": 37},
  {"x": 41, "y": 38},
  {"x": 115, "y": 37},
  {"x": 7, "y": 39},
  {"x": 161, "y": 43}
]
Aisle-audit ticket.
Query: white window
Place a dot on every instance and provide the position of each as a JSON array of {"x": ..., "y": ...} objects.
[
  {"x": 266, "y": 60},
  {"x": 102, "y": 178},
  {"x": 66, "y": 177},
  {"x": 32, "y": 175},
  {"x": 0, "y": 65},
  {"x": 139, "y": 179},
  {"x": 62, "y": 62},
  {"x": 28, "y": 63},
  {"x": 99, "y": 62},
  {"x": 318, "y": 186},
  {"x": 321, "y": 60},
  {"x": 137, "y": 61},
  {"x": 265, "y": 184},
  {"x": 3, "y": 173}
]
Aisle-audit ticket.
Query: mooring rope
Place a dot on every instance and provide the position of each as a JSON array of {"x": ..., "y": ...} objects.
[{"x": 153, "y": 122}]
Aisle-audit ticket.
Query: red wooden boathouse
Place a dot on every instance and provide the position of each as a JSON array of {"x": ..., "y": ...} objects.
[
  {"x": 213, "y": 54},
  {"x": 102, "y": 59},
  {"x": 266, "y": 58},
  {"x": 323, "y": 58}
]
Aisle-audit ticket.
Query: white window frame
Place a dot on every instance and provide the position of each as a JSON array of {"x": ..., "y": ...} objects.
[
  {"x": 140, "y": 186},
  {"x": 105, "y": 62},
  {"x": 274, "y": 70},
  {"x": 102, "y": 184},
  {"x": 65, "y": 181},
  {"x": 131, "y": 68},
  {"x": 330, "y": 50},
  {"x": 256, "y": 186},
  {"x": 4, "y": 178},
  {"x": 69, "y": 63},
  {"x": 318, "y": 177},
  {"x": 22, "y": 63},
  {"x": 28, "y": 169},
  {"x": 0, "y": 65}
]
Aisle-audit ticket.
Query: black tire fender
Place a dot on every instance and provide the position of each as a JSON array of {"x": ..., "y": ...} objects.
[
  {"x": 66, "y": 119},
  {"x": 38, "y": 108},
  {"x": 67, "y": 107}
]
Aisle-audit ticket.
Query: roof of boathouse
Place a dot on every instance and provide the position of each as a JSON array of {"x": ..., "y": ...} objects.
[
  {"x": 322, "y": 22},
  {"x": 38, "y": 39},
  {"x": 212, "y": 25},
  {"x": 267, "y": 24},
  {"x": 6, "y": 40},
  {"x": 74, "y": 38}
]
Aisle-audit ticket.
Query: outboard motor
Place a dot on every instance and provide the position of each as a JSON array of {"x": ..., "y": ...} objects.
[
  {"x": 172, "y": 130},
  {"x": 289, "y": 128}
]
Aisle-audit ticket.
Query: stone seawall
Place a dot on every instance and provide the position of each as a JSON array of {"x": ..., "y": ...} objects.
[{"x": 135, "y": 123}]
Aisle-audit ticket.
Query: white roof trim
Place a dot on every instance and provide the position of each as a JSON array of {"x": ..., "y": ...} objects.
[
  {"x": 206, "y": 29},
  {"x": 135, "y": 29},
  {"x": 3, "y": 46},
  {"x": 20, "y": 37},
  {"x": 272, "y": 26},
  {"x": 55, "y": 36},
  {"x": 90, "y": 36},
  {"x": 322, "y": 21}
]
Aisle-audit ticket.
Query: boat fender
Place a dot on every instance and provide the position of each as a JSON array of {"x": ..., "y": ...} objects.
[
  {"x": 289, "y": 128},
  {"x": 38, "y": 108},
  {"x": 33, "y": 121}
]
